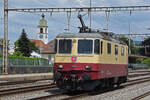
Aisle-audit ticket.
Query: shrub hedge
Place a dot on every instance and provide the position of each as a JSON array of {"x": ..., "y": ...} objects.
[
  {"x": 147, "y": 61},
  {"x": 31, "y": 61}
]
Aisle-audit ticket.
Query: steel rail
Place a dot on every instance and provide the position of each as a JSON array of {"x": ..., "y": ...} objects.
[
  {"x": 19, "y": 82},
  {"x": 135, "y": 71},
  {"x": 25, "y": 89},
  {"x": 142, "y": 96},
  {"x": 48, "y": 96},
  {"x": 137, "y": 75}
]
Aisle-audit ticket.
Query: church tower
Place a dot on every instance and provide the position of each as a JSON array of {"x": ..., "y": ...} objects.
[{"x": 43, "y": 30}]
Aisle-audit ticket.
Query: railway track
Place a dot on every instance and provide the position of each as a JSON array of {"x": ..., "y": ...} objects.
[
  {"x": 125, "y": 85},
  {"x": 20, "y": 82},
  {"x": 49, "y": 96},
  {"x": 135, "y": 71},
  {"x": 50, "y": 86},
  {"x": 137, "y": 75},
  {"x": 142, "y": 96},
  {"x": 80, "y": 95},
  {"x": 14, "y": 91}
]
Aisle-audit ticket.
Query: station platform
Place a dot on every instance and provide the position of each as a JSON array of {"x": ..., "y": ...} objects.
[{"x": 25, "y": 77}]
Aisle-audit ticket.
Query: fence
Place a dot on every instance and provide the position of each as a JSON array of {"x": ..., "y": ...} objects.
[
  {"x": 23, "y": 66},
  {"x": 138, "y": 66},
  {"x": 26, "y": 62}
]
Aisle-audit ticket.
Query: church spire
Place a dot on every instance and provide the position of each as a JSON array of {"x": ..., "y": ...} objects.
[
  {"x": 43, "y": 16},
  {"x": 43, "y": 30}
]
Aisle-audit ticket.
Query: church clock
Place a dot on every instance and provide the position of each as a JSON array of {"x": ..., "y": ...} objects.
[{"x": 41, "y": 36}]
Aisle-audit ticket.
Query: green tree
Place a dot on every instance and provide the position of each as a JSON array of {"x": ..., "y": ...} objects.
[
  {"x": 132, "y": 48},
  {"x": 24, "y": 46},
  {"x": 145, "y": 51},
  {"x": 17, "y": 54},
  {"x": 33, "y": 47}
]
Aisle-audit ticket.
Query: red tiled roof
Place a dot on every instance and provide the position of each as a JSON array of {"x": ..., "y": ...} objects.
[
  {"x": 38, "y": 43},
  {"x": 50, "y": 48}
]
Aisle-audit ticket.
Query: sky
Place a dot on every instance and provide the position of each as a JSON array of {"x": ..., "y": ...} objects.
[{"x": 57, "y": 22}]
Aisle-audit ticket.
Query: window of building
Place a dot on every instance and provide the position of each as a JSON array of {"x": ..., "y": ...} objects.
[
  {"x": 85, "y": 46},
  {"x": 97, "y": 46},
  {"x": 65, "y": 46},
  {"x": 122, "y": 51},
  {"x": 101, "y": 47},
  {"x": 116, "y": 49},
  {"x": 41, "y": 30},
  {"x": 108, "y": 48}
]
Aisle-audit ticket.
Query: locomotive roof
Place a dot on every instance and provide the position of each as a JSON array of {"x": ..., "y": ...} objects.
[
  {"x": 79, "y": 35},
  {"x": 89, "y": 35}
]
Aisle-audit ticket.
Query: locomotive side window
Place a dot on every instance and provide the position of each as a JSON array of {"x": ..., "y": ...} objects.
[
  {"x": 65, "y": 46},
  {"x": 122, "y": 51},
  {"x": 56, "y": 45},
  {"x": 85, "y": 46},
  {"x": 97, "y": 46},
  {"x": 108, "y": 48},
  {"x": 101, "y": 47},
  {"x": 116, "y": 49}
]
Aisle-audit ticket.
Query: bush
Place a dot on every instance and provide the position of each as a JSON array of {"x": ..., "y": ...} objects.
[
  {"x": 28, "y": 61},
  {"x": 17, "y": 54},
  {"x": 147, "y": 61},
  {"x": 139, "y": 61}
]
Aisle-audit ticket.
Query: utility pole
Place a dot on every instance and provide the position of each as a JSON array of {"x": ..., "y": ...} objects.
[
  {"x": 129, "y": 39},
  {"x": 145, "y": 50},
  {"x": 5, "y": 40},
  {"x": 90, "y": 13}
]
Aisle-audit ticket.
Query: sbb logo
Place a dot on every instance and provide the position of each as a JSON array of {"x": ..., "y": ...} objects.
[{"x": 73, "y": 59}]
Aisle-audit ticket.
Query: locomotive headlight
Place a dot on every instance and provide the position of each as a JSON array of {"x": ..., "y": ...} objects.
[
  {"x": 88, "y": 67},
  {"x": 60, "y": 66}
]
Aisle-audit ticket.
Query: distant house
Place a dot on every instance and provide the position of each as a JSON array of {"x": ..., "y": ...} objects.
[
  {"x": 46, "y": 50},
  {"x": 49, "y": 51},
  {"x": 40, "y": 44}
]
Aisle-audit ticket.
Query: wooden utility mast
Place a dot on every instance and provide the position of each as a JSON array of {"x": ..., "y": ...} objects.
[{"x": 5, "y": 40}]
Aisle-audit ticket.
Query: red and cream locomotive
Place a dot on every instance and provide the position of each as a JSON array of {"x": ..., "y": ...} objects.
[{"x": 89, "y": 59}]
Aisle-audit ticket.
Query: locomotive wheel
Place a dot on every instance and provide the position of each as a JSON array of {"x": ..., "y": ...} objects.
[{"x": 118, "y": 84}]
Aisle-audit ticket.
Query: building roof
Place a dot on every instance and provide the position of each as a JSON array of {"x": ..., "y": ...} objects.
[
  {"x": 38, "y": 43},
  {"x": 50, "y": 48}
]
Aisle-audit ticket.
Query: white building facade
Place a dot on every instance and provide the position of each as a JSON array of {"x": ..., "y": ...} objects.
[{"x": 43, "y": 30}]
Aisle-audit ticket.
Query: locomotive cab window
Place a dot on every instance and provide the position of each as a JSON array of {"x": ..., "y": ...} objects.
[
  {"x": 122, "y": 51},
  {"x": 109, "y": 48},
  {"x": 65, "y": 46},
  {"x": 116, "y": 49},
  {"x": 85, "y": 46},
  {"x": 97, "y": 46}
]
